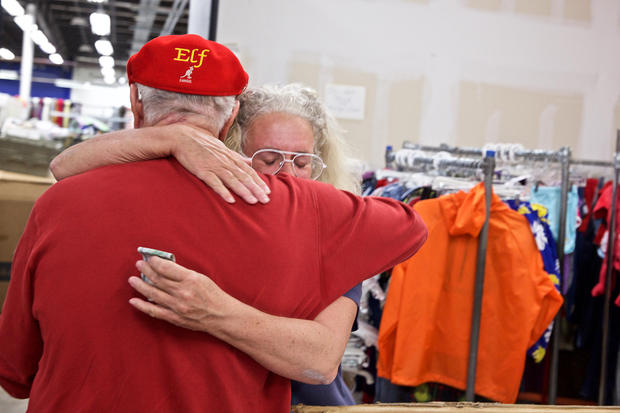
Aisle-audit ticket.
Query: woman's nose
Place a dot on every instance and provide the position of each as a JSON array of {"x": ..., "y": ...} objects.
[{"x": 287, "y": 168}]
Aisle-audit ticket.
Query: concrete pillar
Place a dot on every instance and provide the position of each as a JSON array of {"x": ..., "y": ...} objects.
[
  {"x": 25, "y": 79},
  {"x": 199, "y": 17}
]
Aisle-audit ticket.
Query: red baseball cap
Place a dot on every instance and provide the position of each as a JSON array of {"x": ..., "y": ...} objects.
[{"x": 187, "y": 64}]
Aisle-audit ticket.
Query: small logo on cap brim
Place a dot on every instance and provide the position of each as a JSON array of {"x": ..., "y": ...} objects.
[{"x": 187, "y": 77}]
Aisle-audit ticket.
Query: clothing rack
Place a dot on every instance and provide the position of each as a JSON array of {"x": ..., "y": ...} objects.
[
  {"x": 562, "y": 157},
  {"x": 611, "y": 241},
  {"x": 519, "y": 154},
  {"x": 487, "y": 165}
]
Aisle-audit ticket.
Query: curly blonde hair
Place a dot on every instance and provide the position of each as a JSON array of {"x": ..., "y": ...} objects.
[{"x": 296, "y": 99}]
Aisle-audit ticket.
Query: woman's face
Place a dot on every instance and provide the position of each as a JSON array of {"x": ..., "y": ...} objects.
[{"x": 281, "y": 131}]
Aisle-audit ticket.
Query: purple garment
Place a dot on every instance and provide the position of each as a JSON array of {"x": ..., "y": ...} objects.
[{"x": 334, "y": 394}]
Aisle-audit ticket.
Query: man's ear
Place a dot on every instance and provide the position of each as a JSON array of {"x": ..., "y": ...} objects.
[
  {"x": 229, "y": 122},
  {"x": 137, "y": 108}
]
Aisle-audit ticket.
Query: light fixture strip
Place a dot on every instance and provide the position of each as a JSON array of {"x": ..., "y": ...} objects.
[
  {"x": 6, "y": 54},
  {"x": 25, "y": 22},
  {"x": 56, "y": 59},
  {"x": 104, "y": 47},
  {"x": 100, "y": 23},
  {"x": 106, "y": 61},
  {"x": 13, "y": 7}
]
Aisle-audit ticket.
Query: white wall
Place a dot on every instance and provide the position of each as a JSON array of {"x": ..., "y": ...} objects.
[
  {"x": 544, "y": 73},
  {"x": 99, "y": 99}
]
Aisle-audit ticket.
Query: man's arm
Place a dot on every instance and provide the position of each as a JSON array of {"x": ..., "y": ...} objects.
[
  {"x": 199, "y": 152},
  {"x": 304, "y": 350}
]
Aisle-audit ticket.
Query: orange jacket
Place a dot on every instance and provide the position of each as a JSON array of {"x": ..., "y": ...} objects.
[{"x": 426, "y": 324}]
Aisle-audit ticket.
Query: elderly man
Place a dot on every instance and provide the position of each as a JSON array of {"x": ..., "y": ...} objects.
[{"x": 70, "y": 341}]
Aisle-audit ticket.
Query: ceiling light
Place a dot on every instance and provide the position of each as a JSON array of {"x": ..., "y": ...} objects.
[
  {"x": 56, "y": 58},
  {"x": 48, "y": 48},
  {"x": 6, "y": 54},
  {"x": 84, "y": 48},
  {"x": 100, "y": 23},
  {"x": 122, "y": 80},
  {"x": 108, "y": 72},
  {"x": 24, "y": 22},
  {"x": 38, "y": 37},
  {"x": 97, "y": 1},
  {"x": 13, "y": 7},
  {"x": 104, "y": 47},
  {"x": 106, "y": 61},
  {"x": 109, "y": 80}
]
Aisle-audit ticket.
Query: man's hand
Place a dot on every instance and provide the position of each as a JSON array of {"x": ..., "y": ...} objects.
[
  {"x": 178, "y": 295},
  {"x": 219, "y": 167}
]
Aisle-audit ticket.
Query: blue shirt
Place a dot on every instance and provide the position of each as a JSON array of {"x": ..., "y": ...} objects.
[
  {"x": 334, "y": 394},
  {"x": 550, "y": 198}
]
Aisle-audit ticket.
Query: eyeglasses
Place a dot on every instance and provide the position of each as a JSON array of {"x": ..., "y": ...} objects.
[{"x": 304, "y": 165}]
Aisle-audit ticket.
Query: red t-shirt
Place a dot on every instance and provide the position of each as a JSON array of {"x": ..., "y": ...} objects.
[{"x": 71, "y": 342}]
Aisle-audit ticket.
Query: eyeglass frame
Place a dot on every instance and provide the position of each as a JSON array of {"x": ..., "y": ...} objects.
[{"x": 292, "y": 160}]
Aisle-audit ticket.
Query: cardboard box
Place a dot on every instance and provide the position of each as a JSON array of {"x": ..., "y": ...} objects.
[
  {"x": 27, "y": 156},
  {"x": 443, "y": 407},
  {"x": 17, "y": 195}
]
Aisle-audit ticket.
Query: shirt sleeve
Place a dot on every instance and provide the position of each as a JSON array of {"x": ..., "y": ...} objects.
[
  {"x": 362, "y": 236},
  {"x": 355, "y": 294},
  {"x": 21, "y": 345}
]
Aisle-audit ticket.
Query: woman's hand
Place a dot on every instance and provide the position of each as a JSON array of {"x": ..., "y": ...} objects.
[
  {"x": 188, "y": 141},
  {"x": 179, "y": 296},
  {"x": 303, "y": 350},
  {"x": 213, "y": 163}
]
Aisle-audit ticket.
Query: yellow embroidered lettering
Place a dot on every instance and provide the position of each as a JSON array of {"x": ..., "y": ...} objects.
[
  {"x": 181, "y": 54},
  {"x": 202, "y": 55}
]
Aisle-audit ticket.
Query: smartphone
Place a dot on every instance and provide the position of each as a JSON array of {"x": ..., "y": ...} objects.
[{"x": 151, "y": 252}]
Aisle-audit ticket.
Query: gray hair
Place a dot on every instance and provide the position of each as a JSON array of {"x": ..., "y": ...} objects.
[
  {"x": 302, "y": 101},
  {"x": 159, "y": 104}
]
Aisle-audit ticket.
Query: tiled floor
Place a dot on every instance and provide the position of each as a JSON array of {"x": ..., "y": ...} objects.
[{"x": 11, "y": 405}]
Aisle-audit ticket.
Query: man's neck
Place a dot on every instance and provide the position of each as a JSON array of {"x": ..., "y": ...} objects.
[{"x": 192, "y": 119}]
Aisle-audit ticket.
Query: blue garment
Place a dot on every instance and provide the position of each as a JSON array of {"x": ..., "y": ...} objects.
[
  {"x": 334, "y": 394},
  {"x": 539, "y": 223},
  {"x": 394, "y": 191},
  {"x": 550, "y": 197}
]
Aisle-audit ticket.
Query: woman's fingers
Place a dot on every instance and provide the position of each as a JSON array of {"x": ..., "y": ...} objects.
[
  {"x": 159, "y": 267},
  {"x": 220, "y": 168},
  {"x": 243, "y": 181},
  {"x": 214, "y": 182},
  {"x": 154, "y": 294},
  {"x": 161, "y": 313}
]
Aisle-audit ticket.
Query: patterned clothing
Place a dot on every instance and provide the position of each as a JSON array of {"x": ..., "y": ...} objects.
[{"x": 538, "y": 217}]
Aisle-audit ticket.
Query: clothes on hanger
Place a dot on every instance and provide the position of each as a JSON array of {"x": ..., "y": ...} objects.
[
  {"x": 537, "y": 216},
  {"x": 551, "y": 198},
  {"x": 602, "y": 210},
  {"x": 425, "y": 328}
]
